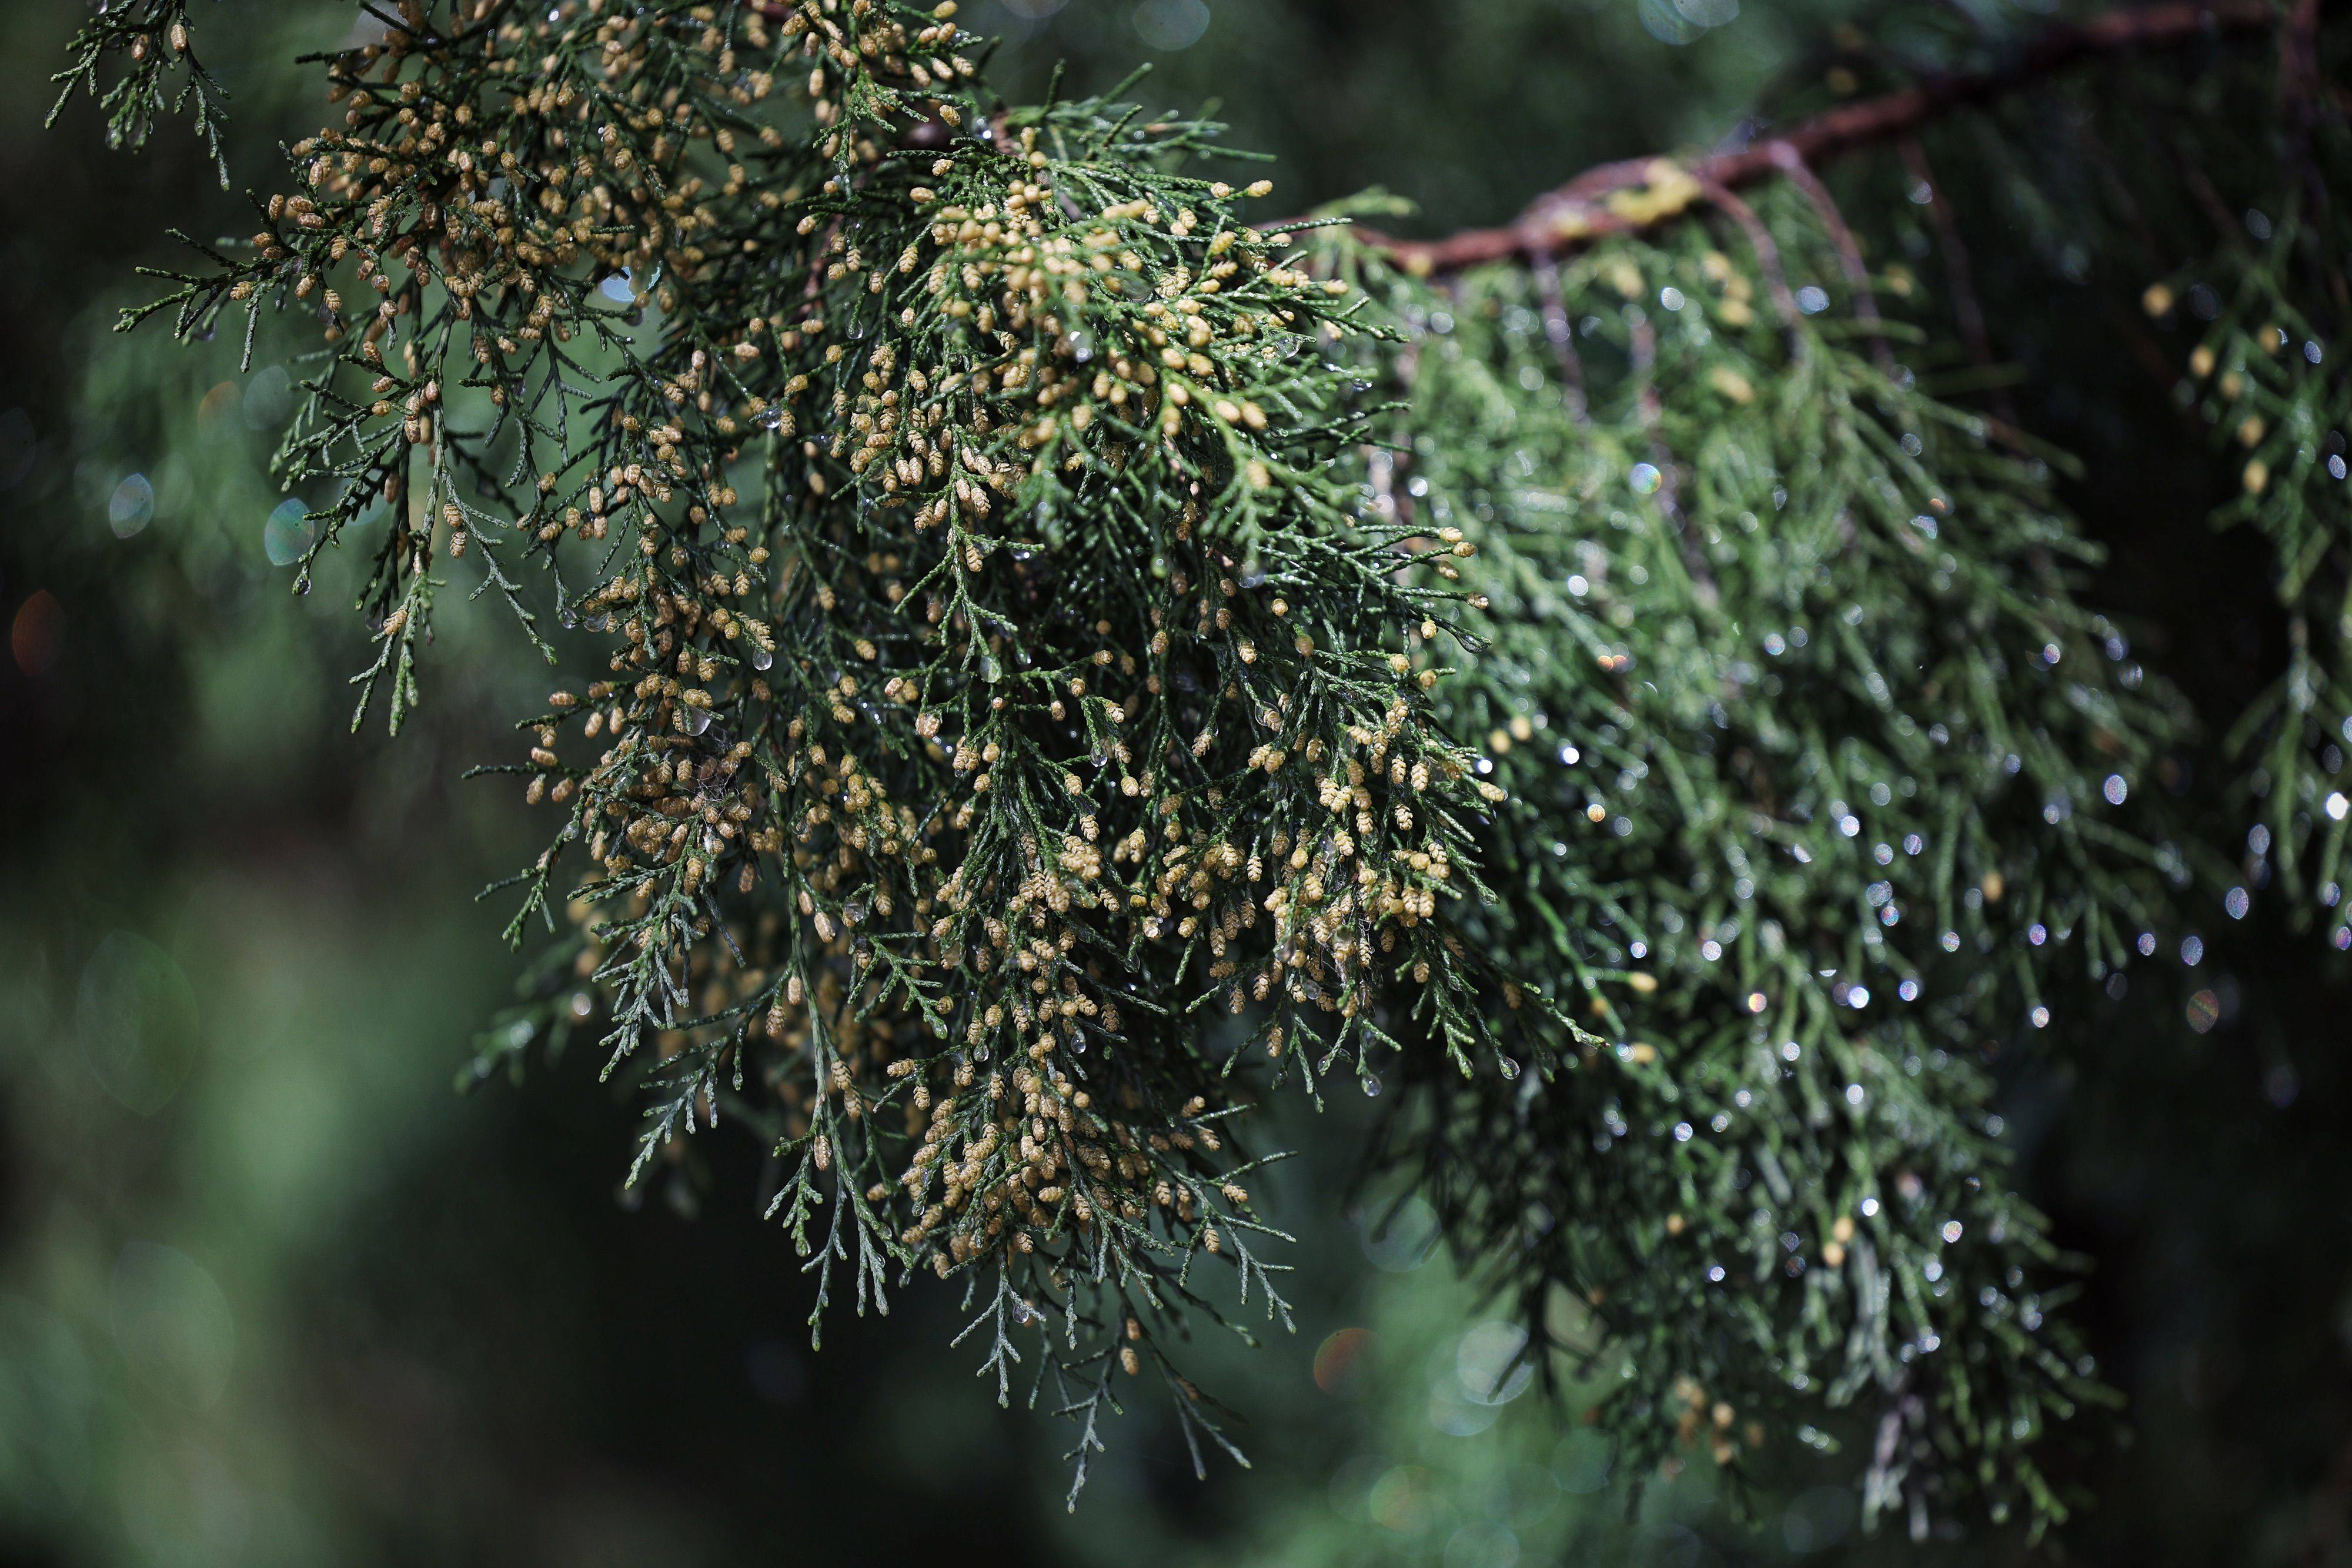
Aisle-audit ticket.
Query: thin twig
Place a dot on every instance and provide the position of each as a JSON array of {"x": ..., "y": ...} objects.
[
  {"x": 1768, "y": 255},
  {"x": 1960, "y": 275},
  {"x": 1848, "y": 248}
]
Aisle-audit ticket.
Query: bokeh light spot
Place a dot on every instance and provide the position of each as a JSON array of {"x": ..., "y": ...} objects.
[{"x": 136, "y": 1017}]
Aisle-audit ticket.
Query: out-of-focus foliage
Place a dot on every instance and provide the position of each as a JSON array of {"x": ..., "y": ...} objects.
[
  {"x": 1836, "y": 782},
  {"x": 1416, "y": 1478}
]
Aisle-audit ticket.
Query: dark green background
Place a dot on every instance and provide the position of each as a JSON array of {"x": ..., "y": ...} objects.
[{"x": 272, "y": 1292}]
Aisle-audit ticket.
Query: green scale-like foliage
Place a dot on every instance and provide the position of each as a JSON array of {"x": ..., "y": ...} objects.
[
  {"x": 1819, "y": 781},
  {"x": 2261, "y": 374},
  {"x": 1040, "y": 615},
  {"x": 1003, "y": 674}
]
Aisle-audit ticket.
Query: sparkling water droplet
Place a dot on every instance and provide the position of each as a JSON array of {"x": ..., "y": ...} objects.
[{"x": 761, "y": 658}]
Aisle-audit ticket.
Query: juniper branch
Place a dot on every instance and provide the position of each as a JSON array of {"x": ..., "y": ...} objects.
[{"x": 1035, "y": 613}]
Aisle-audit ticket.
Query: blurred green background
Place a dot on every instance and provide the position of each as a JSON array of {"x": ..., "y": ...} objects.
[{"x": 272, "y": 1291}]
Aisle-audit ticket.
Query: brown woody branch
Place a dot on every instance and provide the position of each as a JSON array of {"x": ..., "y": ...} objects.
[
  {"x": 1583, "y": 210},
  {"x": 1594, "y": 204}
]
